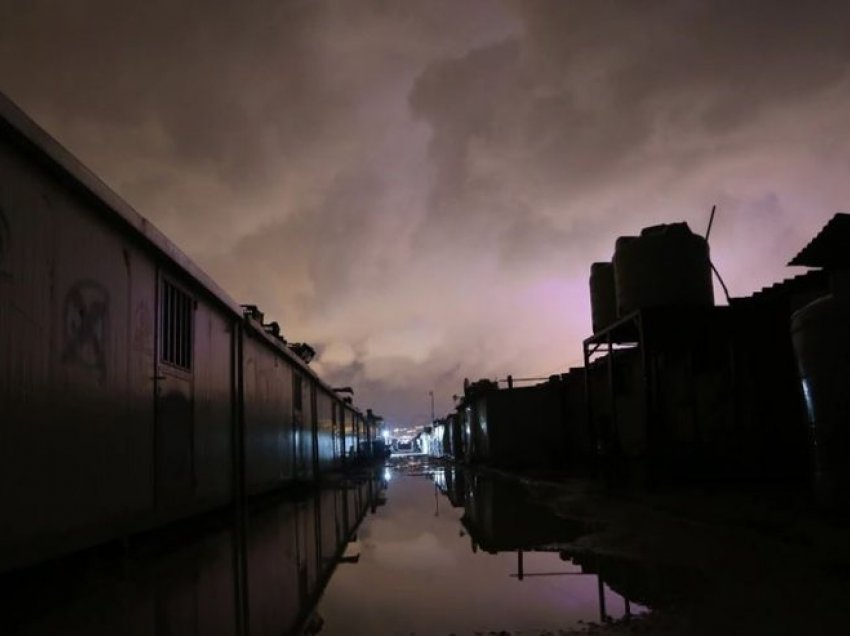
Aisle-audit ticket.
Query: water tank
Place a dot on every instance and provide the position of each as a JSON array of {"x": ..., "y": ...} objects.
[
  {"x": 603, "y": 296},
  {"x": 665, "y": 265},
  {"x": 822, "y": 347}
]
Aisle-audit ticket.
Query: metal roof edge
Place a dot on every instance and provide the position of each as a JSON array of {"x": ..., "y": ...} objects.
[
  {"x": 257, "y": 328},
  {"x": 61, "y": 159}
]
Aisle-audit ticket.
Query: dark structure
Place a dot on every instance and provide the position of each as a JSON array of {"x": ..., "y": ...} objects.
[
  {"x": 133, "y": 390},
  {"x": 659, "y": 387},
  {"x": 516, "y": 427},
  {"x": 541, "y": 426},
  {"x": 500, "y": 516},
  {"x": 680, "y": 389},
  {"x": 454, "y": 444},
  {"x": 822, "y": 345},
  {"x": 260, "y": 574},
  {"x": 676, "y": 389}
]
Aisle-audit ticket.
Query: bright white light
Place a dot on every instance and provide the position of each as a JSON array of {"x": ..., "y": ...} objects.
[
  {"x": 387, "y": 474},
  {"x": 386, "y": 435}
]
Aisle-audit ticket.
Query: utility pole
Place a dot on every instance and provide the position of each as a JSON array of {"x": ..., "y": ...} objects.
[{"x": 431, "y": 393}]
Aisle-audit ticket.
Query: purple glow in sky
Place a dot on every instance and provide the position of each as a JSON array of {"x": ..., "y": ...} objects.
[{"x": 418, "y": 188}]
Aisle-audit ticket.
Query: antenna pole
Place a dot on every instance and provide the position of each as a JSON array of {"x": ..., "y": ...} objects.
[{"x": 710, "y": 222}]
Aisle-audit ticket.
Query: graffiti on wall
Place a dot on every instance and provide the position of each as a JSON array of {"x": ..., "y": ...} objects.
[{"x": 85, "y": 326}]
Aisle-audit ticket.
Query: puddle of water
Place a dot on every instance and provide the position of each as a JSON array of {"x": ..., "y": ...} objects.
[
  {"x": 442, "y": 552},
  {"x": 260, "y": 576},
  {"x": 452, "y": 553}
]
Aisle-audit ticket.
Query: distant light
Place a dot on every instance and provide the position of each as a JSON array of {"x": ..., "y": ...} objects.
[
  {"x": 387, "y": 474},
  {"x": 386, "y": 435}
]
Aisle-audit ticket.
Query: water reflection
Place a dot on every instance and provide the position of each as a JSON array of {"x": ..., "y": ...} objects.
[
  {"x": 260, "y": 575},
  {"x": 459, "y": 553},
  {"x": 445, "y": 552}
]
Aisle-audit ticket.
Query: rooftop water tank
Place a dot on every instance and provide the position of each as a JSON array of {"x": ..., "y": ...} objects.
[
  {"x": 665, "y": 265},
  {"x": 603, "y": 296},
  {"x": 822, "y": 347}
]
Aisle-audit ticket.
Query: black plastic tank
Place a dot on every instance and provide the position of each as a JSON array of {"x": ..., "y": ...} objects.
[
  {"x": 665, "y": 265},
  {"x": 822, "y": 346},
  {"x": 603, "y": 296}
]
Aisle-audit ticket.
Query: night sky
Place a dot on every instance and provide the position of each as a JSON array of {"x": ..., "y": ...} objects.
[{"x": 418, "y": 189}]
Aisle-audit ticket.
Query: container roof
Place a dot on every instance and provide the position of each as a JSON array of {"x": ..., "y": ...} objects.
[
  {"x": 58, "y": 160},
  {"x": 28, "y": 135},
  {"x": 830, "y": 248}
]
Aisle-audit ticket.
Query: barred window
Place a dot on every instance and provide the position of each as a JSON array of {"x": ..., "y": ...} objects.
[{"x": 176, "y": 317}]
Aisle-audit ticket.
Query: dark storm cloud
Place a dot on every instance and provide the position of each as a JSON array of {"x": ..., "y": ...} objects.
[
  {"x": 226, "y": 81},
  {"x": 271, "y": 140},
  {"x": 418, "y": 188},
  {"x": 586, "y": 93},
  {"x": 316, "y": 248}
]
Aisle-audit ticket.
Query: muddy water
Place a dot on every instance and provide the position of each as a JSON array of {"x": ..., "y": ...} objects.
[{"x": 452, "y": 552}]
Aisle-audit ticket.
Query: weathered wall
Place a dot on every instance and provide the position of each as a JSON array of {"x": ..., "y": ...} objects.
[
  {"x": 269, "y": 452},
  {"x": 76, "y": 366}
]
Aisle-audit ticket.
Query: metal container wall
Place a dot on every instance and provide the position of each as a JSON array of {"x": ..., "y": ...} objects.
[
  {"x": 822, "y": 346},
  {"x": 304, "y": 425},
  {"x": 350, "y": 433},
  {"x": 100, "y": 436},
  {"x": 325, "y": 431},
  {"x": 665, "y": 265},
  {"x": 213, "y": 435},
  {"x": 120, "y": 369},
  {"x": 603, "y": 296},
  {"x": 526, "y": 426},
  {"x": 454, "y": 427},
  {"x": 466, "y": 422},
  {"x": 268, "y": 417},
  {"x": 70, "y": 377},
  {"x": 481, "y": 432}
]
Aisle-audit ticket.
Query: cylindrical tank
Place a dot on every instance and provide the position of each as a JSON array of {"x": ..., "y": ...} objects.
[
  {"x": 822, "y": 347},
  {"x": 665, "y": 265},
  {"x": 603, "y": 296}
]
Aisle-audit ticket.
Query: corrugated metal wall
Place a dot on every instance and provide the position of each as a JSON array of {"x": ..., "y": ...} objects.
[{"x": 118, "y": 370}]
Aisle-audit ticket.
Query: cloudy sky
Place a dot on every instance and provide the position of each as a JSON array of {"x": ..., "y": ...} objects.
[{"x": 418, "y": 188}]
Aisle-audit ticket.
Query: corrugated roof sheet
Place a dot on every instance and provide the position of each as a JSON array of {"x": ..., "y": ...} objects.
[
  {"x": 813, "y": 281},
  {"x": 830, "y": 248}
]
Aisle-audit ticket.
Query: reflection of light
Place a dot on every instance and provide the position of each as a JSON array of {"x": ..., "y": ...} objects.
[
  {"x": 386, "y": 474},
  {"x": 440, "y": 479},
  {"x": 807, "y": 397}
]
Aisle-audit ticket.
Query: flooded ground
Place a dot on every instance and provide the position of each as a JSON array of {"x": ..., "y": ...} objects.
[
  {"x": 256, "y": 574},
  {"x": 458, "y": 553},
  {"x": 422, "y": 547}
]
